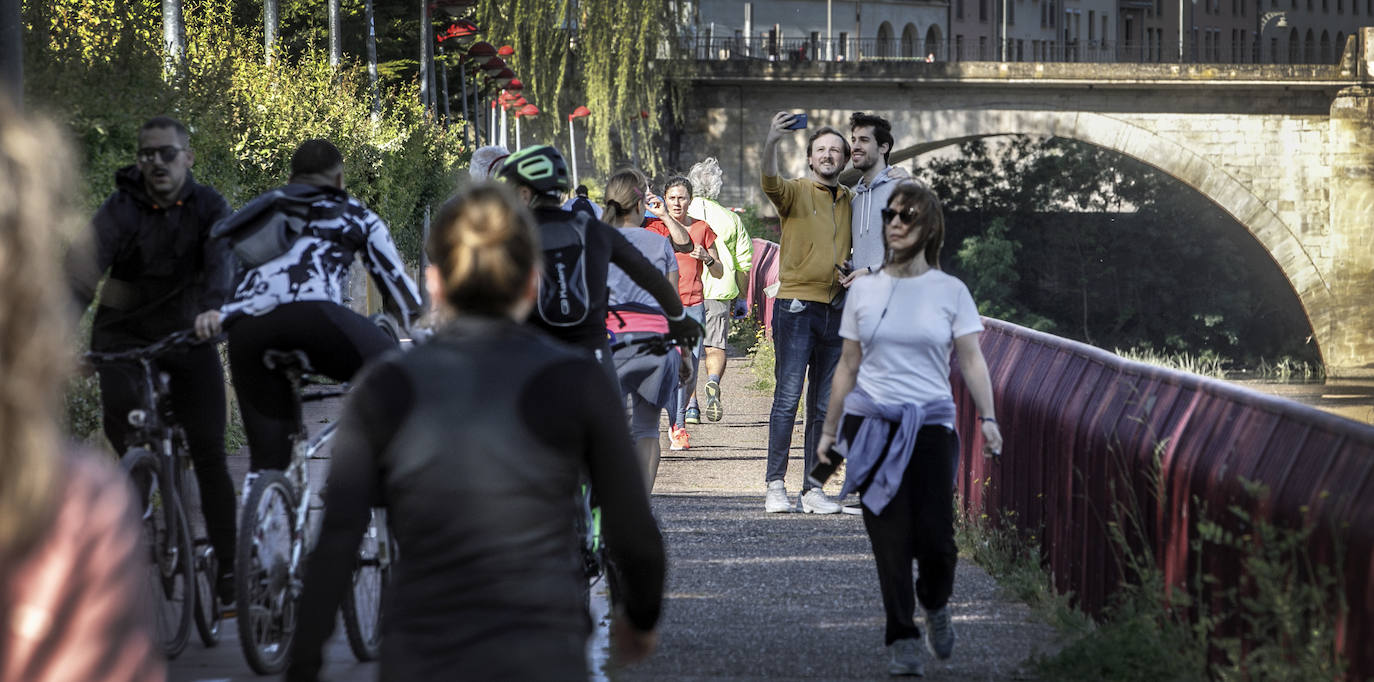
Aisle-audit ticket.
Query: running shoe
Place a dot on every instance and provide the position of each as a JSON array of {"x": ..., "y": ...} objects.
[
  {"x": 678, "y": 437},
  {"x": 905, "y": 659},
  {"x": 693, "y": 416},
  {"x": 714, "y": 408},
  {"x": 940, "y": 633}
]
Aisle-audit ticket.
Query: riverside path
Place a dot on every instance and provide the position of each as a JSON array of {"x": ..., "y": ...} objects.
[{"x": 749, "y": 596}]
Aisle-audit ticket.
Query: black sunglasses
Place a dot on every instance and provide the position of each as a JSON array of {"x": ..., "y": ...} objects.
[
  {"x": 908, "y": 215},
  {"x": 167, "y": 153}
]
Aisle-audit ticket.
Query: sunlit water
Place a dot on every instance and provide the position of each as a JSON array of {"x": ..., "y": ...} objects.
[{"x": 1349, "y": 398}]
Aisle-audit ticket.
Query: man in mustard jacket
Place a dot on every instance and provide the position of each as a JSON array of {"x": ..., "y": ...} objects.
[{"x": 815, "y": 215}]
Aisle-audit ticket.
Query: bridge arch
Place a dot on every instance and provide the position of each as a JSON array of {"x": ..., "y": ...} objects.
[{"x": 1285, "y": 247}]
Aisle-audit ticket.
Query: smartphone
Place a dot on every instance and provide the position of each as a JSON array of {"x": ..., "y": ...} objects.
[
  {"x": 822, "y": 472},
  {"x": 799, "y": 122},
  {"x": 845, "y": 269}
]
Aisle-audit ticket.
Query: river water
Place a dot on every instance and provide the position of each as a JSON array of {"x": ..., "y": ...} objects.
[{"x": 1349, "y": 398}]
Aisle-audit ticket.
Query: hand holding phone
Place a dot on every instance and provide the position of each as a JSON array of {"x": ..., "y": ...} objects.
[{"x": 798, "y": 122}]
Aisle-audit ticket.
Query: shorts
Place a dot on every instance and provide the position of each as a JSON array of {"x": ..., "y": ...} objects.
[
  {"x": 651, "y": 377},
  {"x": 717, "y": 323}
]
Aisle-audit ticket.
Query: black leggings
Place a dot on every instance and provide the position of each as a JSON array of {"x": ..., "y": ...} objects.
[
  {"x": 337, "y": 340},
  {"x": 197, "y": 384},
  {"x": 917, "y": 524}
]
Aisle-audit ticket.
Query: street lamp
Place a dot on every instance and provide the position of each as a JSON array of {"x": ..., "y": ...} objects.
[
  {"x": 572, "y": 137},
  {"x": 524, "y": 109}
]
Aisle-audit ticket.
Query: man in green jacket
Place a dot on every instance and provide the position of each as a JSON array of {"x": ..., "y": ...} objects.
[{"x": 815, "y": 218}]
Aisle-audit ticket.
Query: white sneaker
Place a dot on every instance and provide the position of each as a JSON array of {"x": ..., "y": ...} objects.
[
  {"x": 776, "y": 500},
  {"x": 814, "y": 501}
]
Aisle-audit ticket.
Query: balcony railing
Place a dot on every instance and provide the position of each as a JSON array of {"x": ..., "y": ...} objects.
[{"x": 1017, "y": 50}]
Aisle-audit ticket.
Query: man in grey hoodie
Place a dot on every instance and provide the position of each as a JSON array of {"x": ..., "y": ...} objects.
[{"x": 870, "y": 141}]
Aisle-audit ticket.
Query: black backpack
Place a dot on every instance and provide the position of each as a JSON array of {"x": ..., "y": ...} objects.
[
  {"x": 267, "y": 226},
  {"x": 563, "y": 297}
]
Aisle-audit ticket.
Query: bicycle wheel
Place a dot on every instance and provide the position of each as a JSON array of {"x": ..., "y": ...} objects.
[
  {"x": 362, "y": 605},
  {"x": 264, "y": 575},
  {"x": 169, "y": 575},
  {"x": 208, "y": 612}
]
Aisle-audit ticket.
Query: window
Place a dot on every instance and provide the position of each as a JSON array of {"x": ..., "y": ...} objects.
[
  {"x": 1052, "y": 12},
  {"x": 842, "y": 50},
  {"x": 983, "y": 10},
  {"x": 1104, "y": 35},
  {"x": 1020, "y": 50},
  {"x": 1326, "y": 6},
  {"x": 958, "y": 9},
  {"x": 1011, "y": 12},
  {"x": 958, "y": 47},
  {"x": 1340, "y": 6},
  {"x": 1044, "y": 11},
  {"x": 1092, "y": 19}
]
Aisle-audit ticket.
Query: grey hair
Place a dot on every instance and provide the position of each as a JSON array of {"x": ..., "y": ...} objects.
[{"x": 706, "y": 177}]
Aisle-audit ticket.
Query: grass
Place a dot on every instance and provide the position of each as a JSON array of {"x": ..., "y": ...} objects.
[
  {"x": 750, "y": 335},
  {"x": 1277, "y": 622},
  {"x": 1206, "y": 364}
]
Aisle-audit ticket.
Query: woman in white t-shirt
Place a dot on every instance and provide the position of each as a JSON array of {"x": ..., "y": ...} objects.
[{"x": 892, "y": 414}]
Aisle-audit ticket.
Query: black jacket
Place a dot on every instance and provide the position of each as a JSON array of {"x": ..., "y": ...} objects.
[
  {"x": 164, "y": 267},
  {"x": 472, "y": 444}
]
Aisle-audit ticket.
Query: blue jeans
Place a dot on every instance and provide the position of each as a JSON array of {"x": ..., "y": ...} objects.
[
  {"x": 806, "y": 346},
  {"x": 677, "y": 404}
]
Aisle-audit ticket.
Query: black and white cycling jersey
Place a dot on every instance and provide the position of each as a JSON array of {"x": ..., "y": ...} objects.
[{"x": 315, "y": 267}]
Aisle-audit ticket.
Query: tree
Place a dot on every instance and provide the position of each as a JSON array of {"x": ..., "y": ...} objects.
[{"x": 599, "y": 53}]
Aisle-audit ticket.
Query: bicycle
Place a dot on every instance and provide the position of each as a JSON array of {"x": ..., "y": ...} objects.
[
  {"x": 277, "y": 530},
  {"x": 587, "y": 523},
  {"x": 182, "y": 567}
]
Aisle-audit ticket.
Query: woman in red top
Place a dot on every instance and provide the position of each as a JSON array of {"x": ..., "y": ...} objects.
[{"x": 694, "y": 243}]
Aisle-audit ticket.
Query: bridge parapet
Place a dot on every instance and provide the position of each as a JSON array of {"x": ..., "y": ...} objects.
[{"x": 1076, "y": 419}]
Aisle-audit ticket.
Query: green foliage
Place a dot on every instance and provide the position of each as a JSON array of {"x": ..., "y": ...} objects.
[
  {"x": 1070, "y": 238},
  {"x": 246, "y": 118},
  {"x": 1206, "y": 364},
  {"x": 762, "y": 361},
  {"x": 599, "y": 53},
  {"x": 1276, "y": 622},
  {"x": 757, "y": 227}
]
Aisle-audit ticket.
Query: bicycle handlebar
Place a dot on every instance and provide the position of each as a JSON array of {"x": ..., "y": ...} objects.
[{"x": 184, "y": 337}]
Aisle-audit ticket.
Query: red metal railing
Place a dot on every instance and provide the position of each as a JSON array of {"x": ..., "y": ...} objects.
[{"x": 1076, "y": 418}]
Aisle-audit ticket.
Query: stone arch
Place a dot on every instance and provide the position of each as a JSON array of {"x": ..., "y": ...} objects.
[
  {"x": 1294, "y": 46},
  {"x": 911, "y": 39},
  {"x": 934, "y": 42},
  {"x": 1168, "y": 156},
  {"x": 884, "y": 46},
  {"x": 1326, "y": 57},
  {"x": 1309, "y": 53}
]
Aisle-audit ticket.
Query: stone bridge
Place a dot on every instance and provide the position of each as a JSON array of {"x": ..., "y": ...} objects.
[{"x": 1288, "y": 151}]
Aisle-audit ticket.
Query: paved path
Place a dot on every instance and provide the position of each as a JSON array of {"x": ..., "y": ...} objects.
[{"x": 755, "y": 596}]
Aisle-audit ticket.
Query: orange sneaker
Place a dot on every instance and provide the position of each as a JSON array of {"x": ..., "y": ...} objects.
[{"x": 677, "y": 435}]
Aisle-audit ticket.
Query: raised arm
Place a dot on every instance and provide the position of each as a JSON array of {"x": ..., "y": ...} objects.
[
  {"x": 678, "y": 235},
  {"x": 776, "y": 129}
]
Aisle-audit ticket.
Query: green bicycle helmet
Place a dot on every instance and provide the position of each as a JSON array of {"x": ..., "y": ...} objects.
[{"x": 541, "y": 168}]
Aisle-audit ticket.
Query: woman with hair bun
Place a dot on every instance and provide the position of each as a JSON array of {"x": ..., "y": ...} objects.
[{"x": 470, "y": 443}]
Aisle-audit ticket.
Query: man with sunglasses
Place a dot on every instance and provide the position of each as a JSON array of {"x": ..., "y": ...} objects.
[{"x": 166, "y": 274}]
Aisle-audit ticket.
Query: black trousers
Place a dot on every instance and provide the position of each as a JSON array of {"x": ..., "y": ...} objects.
[
  {"x": 197, "y": 384},
  {"x": 917, "y": 524},
  {"x": 338, "y": 342}
]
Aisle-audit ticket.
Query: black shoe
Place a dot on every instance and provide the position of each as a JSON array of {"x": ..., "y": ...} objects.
[{"x": 224, "y": 587}]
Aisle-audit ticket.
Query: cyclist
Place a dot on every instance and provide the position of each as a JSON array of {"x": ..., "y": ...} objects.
[
  {"x": 295, "y": 302},
  {"x": 576, "y": 262},
  {"x": 165, "y": 274},
  {"x": 475, "y": 451}
]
